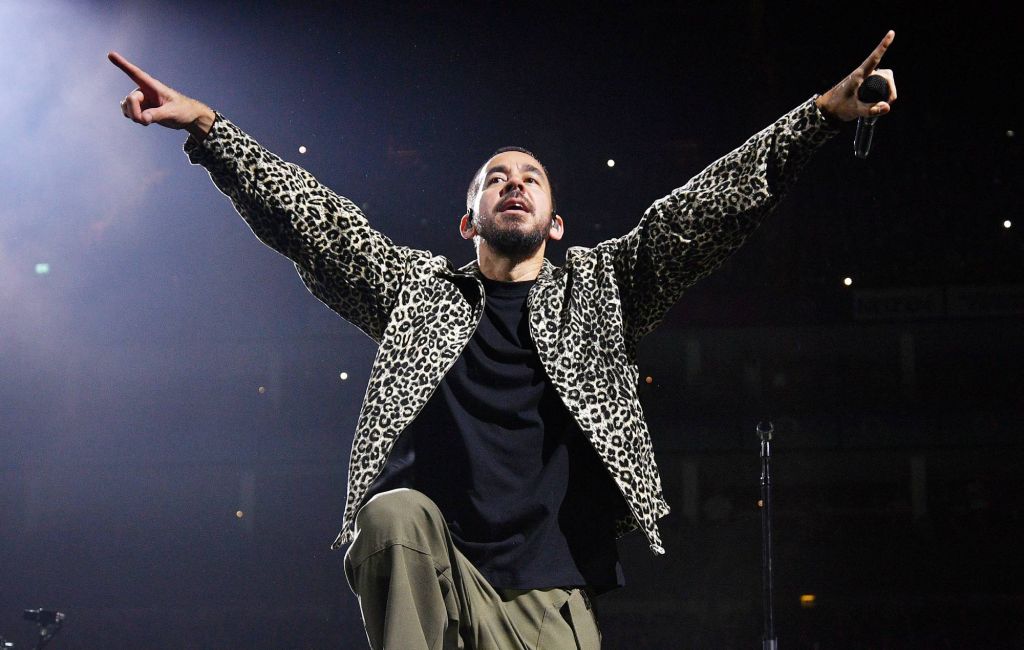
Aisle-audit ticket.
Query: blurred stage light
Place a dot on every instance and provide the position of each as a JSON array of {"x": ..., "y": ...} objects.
[
  {"x": 302, "y": 149},
  {"x": 848, "y": 281},
  {"x": 343, "y": 376},
  {"x": 649, "y": 379},
  {"x": 44, "y": 268},
  {"x": 1007, "y": 224},
  {"x": 261, "y": 390},
  {"x": 1010, "y": 133},
  {"x": 807, "y": 600},
  {"x": 611, "y": 163},
  {"x": 239, "y": 514}
]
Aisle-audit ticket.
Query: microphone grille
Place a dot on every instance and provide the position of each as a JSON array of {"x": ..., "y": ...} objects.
[{"x": 874, "y": 89}]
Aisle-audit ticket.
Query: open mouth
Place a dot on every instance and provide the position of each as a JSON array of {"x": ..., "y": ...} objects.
[{"x": 514, "y": 205}]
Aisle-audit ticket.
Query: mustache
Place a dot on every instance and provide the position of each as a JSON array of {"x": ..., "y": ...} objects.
[{"x": 518, "y": 197}]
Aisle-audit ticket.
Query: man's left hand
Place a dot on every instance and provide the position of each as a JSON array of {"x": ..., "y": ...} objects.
[{"x": 841, "y": 101}]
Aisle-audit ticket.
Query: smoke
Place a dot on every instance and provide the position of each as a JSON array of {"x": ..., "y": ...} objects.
[{"x": 72, "y": 176}]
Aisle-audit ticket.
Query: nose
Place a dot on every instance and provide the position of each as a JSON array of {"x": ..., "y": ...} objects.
[{"x": 514, "y": 182}]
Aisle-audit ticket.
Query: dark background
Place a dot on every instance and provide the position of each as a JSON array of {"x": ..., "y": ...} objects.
[{"x": 169, "y": 371}]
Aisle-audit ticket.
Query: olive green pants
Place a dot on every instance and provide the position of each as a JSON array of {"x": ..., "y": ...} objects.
[{"x": 417, "y": 591}]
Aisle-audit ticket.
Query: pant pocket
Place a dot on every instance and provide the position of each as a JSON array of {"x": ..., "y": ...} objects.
[
  {"x": 582, "y": 620},
  {"x": 569, "y": 624}
]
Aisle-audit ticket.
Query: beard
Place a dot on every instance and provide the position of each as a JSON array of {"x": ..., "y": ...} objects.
[{"x": 511, "y": 241}]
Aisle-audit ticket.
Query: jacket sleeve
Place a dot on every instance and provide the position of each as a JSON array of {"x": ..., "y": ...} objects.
[
  {"x": 352, "y": 268},
  {"x": 685, "y": 235}
]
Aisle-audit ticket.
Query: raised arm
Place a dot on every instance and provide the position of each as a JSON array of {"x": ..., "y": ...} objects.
[
  {"x": 155, "y": 103},
  {"x": 687, "y": 234},
  {"x": 351, "y": 267},
  {"x": 841, "y": 101}
]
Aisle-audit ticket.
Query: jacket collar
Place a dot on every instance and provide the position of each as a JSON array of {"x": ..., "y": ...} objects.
[{"x": 547, "y": 270}]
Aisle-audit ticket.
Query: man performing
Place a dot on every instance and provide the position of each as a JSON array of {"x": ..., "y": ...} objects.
[{"x": 501, "y": 448}]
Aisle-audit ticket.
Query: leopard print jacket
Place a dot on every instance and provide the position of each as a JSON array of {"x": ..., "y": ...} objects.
[{"x": 586, "y": 317}]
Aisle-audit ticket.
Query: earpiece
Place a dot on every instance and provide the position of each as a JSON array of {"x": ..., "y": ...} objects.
[{"x": 469, "y": 214}]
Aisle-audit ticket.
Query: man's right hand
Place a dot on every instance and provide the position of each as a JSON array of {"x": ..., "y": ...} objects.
[{"x": 153, "y": 102}]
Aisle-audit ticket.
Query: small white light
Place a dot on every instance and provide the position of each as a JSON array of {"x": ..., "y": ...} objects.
[
  {"x": 44, "y": 268},
  {"x": 611, "y": 163},
  {"x": 343, "y": 376},
  {"x": 1007, "y": 224},
  {"x": 1010, "y": 133},
  {"x": 302, "y": 149},
  {"x": 847, "y": 281},
  {"x": 261, "y": 390}
]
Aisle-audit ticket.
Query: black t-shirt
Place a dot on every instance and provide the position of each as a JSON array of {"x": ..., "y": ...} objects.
[{"x": 526, "y": 497}]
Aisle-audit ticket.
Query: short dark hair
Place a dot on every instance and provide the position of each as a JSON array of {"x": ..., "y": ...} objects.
[{"x": 474, "y": 187}]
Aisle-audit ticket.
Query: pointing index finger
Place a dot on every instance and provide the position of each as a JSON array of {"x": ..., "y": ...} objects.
[
  {"x": 137, "y": 74},
  {"x": 871, "y": 63}
]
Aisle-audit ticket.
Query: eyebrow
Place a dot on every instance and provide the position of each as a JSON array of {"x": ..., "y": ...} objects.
[{"x": 526, "y": 167}]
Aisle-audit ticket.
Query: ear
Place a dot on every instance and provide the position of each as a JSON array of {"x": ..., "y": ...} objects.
[
  {"x": 557, "y": 228},
  {"x": 466, "y": 227}
]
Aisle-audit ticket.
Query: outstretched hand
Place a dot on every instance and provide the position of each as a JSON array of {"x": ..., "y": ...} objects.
[
  {"x": 153, "y": 102},
  {"x": 841, "y": 101}
]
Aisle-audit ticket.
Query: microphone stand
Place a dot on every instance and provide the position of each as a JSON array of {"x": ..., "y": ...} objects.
[
  {"x": 49, "y": 623},
  {"x": 764, "y": 432}
]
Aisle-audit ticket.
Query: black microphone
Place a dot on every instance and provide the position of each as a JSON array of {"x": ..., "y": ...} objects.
[{"x": 874, "y": 89}]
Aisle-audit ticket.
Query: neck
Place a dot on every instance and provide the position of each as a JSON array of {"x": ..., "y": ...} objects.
[{"x": 498, "y": 267}]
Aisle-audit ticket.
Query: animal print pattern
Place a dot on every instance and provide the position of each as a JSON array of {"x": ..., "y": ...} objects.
[{"x": 586, "y": 317}]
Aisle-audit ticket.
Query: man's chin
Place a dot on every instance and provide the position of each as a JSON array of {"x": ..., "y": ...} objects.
[{"x": 514, "y": 243}]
